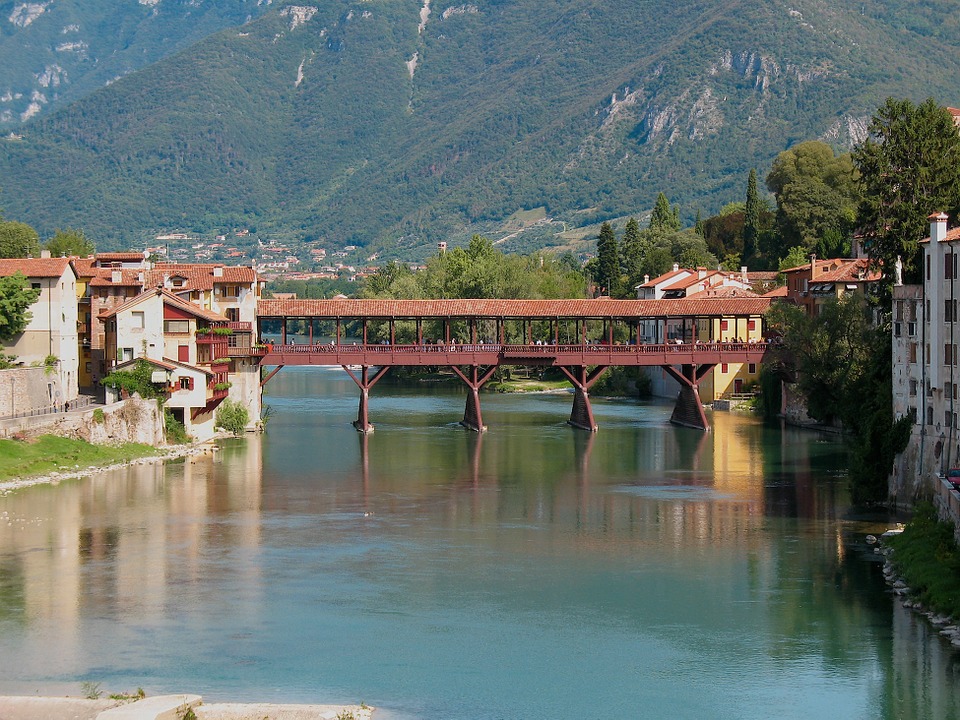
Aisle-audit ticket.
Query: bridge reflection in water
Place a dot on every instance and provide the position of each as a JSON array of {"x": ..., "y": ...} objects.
[{"x": 607, "y": 332}]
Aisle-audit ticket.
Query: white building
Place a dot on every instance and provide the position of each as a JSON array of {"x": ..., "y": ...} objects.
[{"x": 50, "y": 337}]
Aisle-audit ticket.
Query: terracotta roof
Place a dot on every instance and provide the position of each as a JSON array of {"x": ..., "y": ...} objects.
[
  {"x": 128, "y": 277},
  {"x": 169, "y": 299},
  {"x": 84, "y": 267},
  {"x": 666, "y": 276},
  {"x": 200, "y": 277},
  {"x": 696, "y": 306},
  {"x": 34, "y": 267},
  {"x": 724, "y": 291},
  {"x": 110, "y": 257},
  {"x": 952, "y": 235},
  {"x": 851, "y": 271},
  {"x": 762, "y": 275},
  {"x": 777, "y": 292}
]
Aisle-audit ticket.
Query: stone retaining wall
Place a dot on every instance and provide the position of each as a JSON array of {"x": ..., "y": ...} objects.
[
  {"x": 133, "y": 420},
  {"x": 947, "y": 502}
]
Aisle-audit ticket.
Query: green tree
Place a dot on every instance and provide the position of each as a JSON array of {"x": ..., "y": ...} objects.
[
  {"x": 232, "y": 416},
  {"x": 69, "y": 243},
  {"x": 664, "y": 218},
  {"x": 18, "y": 240},
  {"x": 909, "y": 168},
  {"x": 632, "y": 249},
  {"x": 817, "y": 196},
  {"x": 751, "y": 219},
  {"x": 607, "y": 269},
  {"x": 139, "y": 379},
  {"x": 16, "y": 296}
]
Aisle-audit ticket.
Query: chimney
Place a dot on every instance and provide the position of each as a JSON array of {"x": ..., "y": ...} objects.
[
  {"x": 646, "y": 279},
  {"x": 116, "y": 276},
  {"x": 938, "y": 227},
  {"x": 743, "y": 275},
  {"x": 676, "y": 266},
  {"x": 701, "y": 273},
  {"x": 441, "y": 247},
  {"x": 44, "y": 253},
  {"x": 218, "y": 271},
  {"x": 813, "y": 266}
]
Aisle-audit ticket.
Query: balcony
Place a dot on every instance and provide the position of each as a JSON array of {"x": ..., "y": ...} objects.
[
  {"x": 236, "y": 326},
  {"x": 247, "y": 351}
]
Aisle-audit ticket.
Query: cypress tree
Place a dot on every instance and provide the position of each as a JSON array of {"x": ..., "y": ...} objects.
[
  {"x": 608, "y": 259},
  {"x": 751, "y": 218},
  {"x": 663, "y": 218}
]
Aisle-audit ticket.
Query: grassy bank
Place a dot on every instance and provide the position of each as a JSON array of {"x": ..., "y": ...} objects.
[
  {"x": 927, "y": 558},
  {"x": 49, "y": 453},
  {"x": 522, "y": 385}
]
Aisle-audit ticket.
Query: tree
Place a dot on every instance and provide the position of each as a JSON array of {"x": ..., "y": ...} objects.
[
  {"x": 909, "y": 168},
  {"x": 664, "y": 218},
  {"x": 607, "y": 269},
  {"x": 817, "y": 196},
  {"x": 18, "y": 240},
  {"x": 232, "y": 417},
  {"x": 751, "y": 219},
  {"x": 16, "y": 296},
  {"x": 69, "y": 242},
  {"x": 632, "y": 249}
]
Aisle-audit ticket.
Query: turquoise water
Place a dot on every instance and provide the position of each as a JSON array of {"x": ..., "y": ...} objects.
[{"x": 535, "y": 571}]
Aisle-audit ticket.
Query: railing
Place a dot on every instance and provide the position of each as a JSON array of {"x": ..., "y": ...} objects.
[
  {"x": 237, "y": 326},
  {"x": 78, "y": 403},
  {"x": 520, "y": 350},
  {"x": 247, "y": 351}
]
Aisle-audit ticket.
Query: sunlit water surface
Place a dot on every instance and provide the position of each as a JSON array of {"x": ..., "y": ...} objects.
[{"x": 536, "y": 571}]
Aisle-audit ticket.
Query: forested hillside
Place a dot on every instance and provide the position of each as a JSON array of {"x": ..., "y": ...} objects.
[
  {"x": 52, "y": 52},
  {"x": 395, "y": 123}
]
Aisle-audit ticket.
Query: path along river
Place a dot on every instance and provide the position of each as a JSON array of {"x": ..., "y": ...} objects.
[{"x": 535, "y": 571}]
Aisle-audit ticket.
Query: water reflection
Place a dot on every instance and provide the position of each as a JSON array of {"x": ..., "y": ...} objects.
[{"x": 441, "y": 573}]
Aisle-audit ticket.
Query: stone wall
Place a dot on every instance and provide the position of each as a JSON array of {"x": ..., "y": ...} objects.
[
  {"x": 133, "y": 420},
  {"x": 29, "y": 390}
]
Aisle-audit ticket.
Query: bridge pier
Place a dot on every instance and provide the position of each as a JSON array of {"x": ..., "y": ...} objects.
[
  {"x": 365, "y": 383},
  {"x": 581, "y": 416},
  {"x": 472, "y": 417},
  {"x": 688, "y": 411}
]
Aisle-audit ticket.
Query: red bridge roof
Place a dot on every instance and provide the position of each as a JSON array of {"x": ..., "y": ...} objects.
[{"x": 694, "y": 307}]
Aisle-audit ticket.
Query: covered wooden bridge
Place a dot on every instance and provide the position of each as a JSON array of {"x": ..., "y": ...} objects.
[{"x": 686, "y": 337}]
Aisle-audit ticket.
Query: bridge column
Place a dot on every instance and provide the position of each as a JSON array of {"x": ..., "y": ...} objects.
[
  {"x": 472, "y": 417},
  {"x": 688, "y": 411},
  {"x": 365, "y": 383},
  {"x": 581, "y": 416}
]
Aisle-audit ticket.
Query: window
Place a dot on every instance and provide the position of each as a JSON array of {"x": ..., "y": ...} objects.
[
  {"x": 912, "y": 311},
  {"x": 913, "y": 387},
  {"x": 723, "y": 367},
  {"x": 948, "y": 418},
  {"x": 946, "y": 389},
  {"x": 124, "y": 354},
  {"x": 724, "y": 324},
  {"x": 752, "y": 368},
  {"x": 929, "y": 416},
  {"x": 751, "y": 324},
  {"x": 176, "y": 326},
  {"x": 898, "y": 310},
  {"x": 35, "y": 286},
  {"x": 947, "y": 355},
  {"x": 911, "y": 328},
  {"x": 913, "y": 352},
  {"x": 137, "y": 319},
  {"x": 896, "y": 329},
  {"x": 186, "y": 383}
]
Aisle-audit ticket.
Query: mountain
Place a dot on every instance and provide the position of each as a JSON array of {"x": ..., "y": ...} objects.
[
  {"x": 56, "y": 51},
  {"x": 394, "y": 123}
]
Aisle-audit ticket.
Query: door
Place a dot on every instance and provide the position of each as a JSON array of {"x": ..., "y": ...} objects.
[{"x": 183, "y": 353}]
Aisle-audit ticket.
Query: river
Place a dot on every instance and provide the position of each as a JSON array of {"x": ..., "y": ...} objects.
[{"x": 535, "y": 571}]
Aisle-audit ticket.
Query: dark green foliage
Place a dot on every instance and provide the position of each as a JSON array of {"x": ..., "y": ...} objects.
[
  {"x": 232, "y": 416},
  {"x": 175, "y": 432},
  {"x": 69, "y": 242},
  {"x": 509, "y": 109},
  {"x": 136, "y": 380},
  {"x": 606, "y": 271},
  {"x": 16, "y": 296},
  {"x": 751, "y": 219},
  {"x": 842, "y": 366},
  {"x": 817, "y": 196},
  {"x": 664, "y": 218},
  {"x": 927, "y": 558},
  {"x": 18, "y": 240},
  {"x": 919, "y": 146}
]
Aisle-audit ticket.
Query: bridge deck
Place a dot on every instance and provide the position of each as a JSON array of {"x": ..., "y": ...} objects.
[{"x": 494, "y": 354}]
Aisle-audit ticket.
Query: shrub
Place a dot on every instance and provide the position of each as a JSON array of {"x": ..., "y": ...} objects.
[
  {"x": 232, "y": 417},
  {"x": 98, "y": 416},
  {"x": 175, "y": 431}
]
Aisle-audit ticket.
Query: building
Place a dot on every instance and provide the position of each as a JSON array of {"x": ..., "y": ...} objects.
[
  {"x": 188, "y": 347},
  {"x": 819, "y": 281},
  {"x": 50, "y": 338},
  {"x": 926, "y": 336}
]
